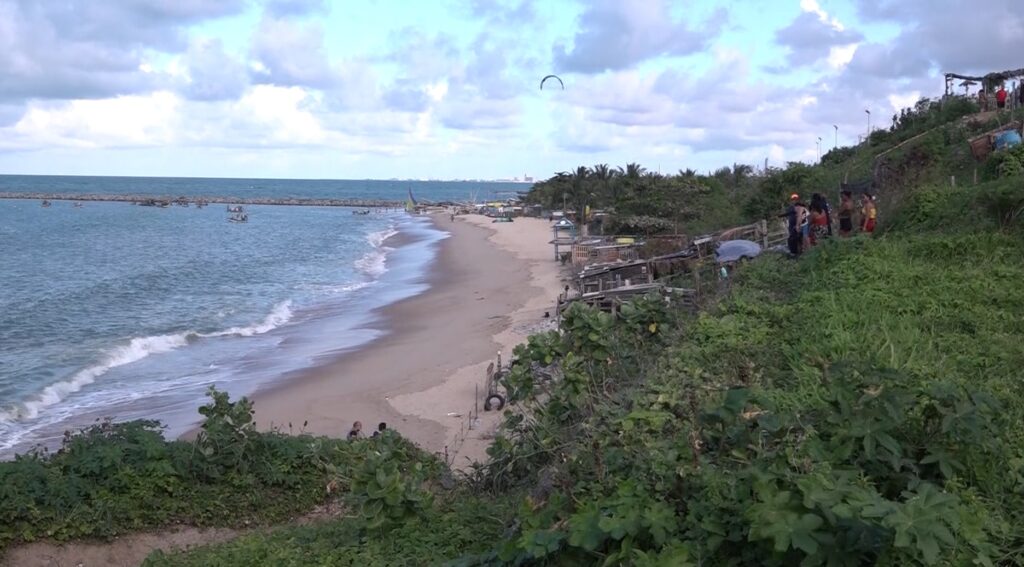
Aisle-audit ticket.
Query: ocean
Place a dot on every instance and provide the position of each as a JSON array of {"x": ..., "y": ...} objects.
[{"x": 130, "y": 312}]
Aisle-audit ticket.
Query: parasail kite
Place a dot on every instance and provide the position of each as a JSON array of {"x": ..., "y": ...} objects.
[{"x": 555, "y": 77}]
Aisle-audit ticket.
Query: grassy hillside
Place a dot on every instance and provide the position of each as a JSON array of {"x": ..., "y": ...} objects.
[{"x": 859, "y": 406}]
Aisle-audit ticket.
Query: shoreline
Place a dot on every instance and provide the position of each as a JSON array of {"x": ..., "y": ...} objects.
[{"x": 487, "y": 291}]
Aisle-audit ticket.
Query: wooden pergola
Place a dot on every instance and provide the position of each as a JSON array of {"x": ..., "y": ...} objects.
[{"x": 988, "y": 82}]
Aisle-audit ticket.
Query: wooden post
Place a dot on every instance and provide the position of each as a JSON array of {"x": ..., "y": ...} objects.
[
  {"x": 975, "y": 175},
  {"x": 696, "y": 279}
]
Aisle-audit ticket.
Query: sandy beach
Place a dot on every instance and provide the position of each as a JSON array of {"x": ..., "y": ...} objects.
[{"x": 489, "y": 289}]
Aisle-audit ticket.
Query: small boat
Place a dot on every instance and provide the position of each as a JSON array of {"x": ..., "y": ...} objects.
[
  {"x": 46, "y": 203},
  {"x": 365, "y": 212},
  {"x": 78, "y": 204},
  {"x": 238, "y": 217},
  {"x": 236, "y": 209}
]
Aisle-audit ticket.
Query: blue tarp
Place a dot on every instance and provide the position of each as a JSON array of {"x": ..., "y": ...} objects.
[
  {"x": 1007, "y": 139},
  {"x": 733, "y": 250}
]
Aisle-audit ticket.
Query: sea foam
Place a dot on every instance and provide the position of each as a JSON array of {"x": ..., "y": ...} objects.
[
  {"x": 136, "y": 349},
  {"x": 374, "y": 262}
]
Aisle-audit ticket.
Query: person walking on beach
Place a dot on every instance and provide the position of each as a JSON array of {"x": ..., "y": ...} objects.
[
  {"x": 868, "y": 214},
  {"x": 846, "y": 213},
  {"x": 356, "y": 432}
]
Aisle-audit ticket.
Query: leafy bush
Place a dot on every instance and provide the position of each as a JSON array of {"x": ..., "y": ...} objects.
[
  {"x": 857, "y": 407},
  {"x": 115, "y": 477}
]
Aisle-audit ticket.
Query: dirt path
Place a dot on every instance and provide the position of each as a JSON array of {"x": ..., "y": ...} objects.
[{"x": 131, "y": 550}]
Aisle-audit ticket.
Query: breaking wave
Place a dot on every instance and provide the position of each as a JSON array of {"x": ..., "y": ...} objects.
[{"x": 137, "y": 349}]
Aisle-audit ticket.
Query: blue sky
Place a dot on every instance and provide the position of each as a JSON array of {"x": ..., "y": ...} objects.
[{"x": 448, "y": 88}]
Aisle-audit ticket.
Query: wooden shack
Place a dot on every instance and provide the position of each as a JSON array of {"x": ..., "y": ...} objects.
[
  {"x": 603, "y": 277},
  {"x": 602, "y": 252}
]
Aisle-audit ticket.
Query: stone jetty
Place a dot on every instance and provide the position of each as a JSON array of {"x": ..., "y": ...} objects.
[{"x": 362, "y": 203}]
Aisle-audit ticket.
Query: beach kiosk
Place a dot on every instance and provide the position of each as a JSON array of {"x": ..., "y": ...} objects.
[{"x": 564, "y": 232}]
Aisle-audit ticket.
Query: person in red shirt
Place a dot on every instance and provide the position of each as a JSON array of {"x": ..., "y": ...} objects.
[{"x": 1001, "y": 97}]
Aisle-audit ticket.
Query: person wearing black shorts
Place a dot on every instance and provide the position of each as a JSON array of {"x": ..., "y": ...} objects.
[{"x": 846, "y": 207}]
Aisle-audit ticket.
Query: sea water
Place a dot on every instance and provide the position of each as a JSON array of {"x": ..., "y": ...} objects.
[{"x": 124, "y": 311}]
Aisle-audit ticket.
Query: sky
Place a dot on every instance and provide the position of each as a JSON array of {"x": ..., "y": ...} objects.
[{"x": 445, "y": 89}]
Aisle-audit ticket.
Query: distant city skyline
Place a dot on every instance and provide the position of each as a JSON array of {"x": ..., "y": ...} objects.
[{"x": 450, "y": 89}]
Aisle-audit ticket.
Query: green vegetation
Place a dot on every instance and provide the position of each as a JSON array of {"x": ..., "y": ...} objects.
[
  {"x": 112, "y": 478},
  {"x": 860, "y": 406},
  {"x": 458, "y": 524}
]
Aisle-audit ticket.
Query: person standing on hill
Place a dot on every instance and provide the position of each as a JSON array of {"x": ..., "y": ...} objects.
[
  {"x": 803, "y": 218},
  {"x": 846, "y": 213},
  {"x": 821, "y": 202},
  {"x": 869, "y": 214},
  {"x": 983, "y": 100},
  {"x": 1001, "y": 97},
  {"x": 818, "y": 221},
  {"x": 795, "y": 239}
]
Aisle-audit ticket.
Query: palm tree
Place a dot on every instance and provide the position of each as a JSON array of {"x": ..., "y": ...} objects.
[
  {"x": 579, "y": 182},
  {"x": 632, "y": 171},
  {"x": 603, "y": 175}
]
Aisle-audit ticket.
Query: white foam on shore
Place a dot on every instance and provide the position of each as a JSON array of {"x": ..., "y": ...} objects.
[
  {"x": 137, "y": 349},
  {"x": 374, "y": 262},
  {"x": 281, "y": 314}
]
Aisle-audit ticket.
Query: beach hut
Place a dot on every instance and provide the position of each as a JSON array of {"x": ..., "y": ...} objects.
[{"x": 564, "y": 232}]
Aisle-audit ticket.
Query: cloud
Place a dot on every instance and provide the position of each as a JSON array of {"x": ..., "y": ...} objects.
[
  {"x": 285, "y": 8},
  {"x": 292, "y": 54},
  {"x": 504, "y": 12},
  {"x": 616, "y": 35},
  {"x": 85, "y": 49},
  {"x": 134, "y": 120},
  {"x": 955, "y": 36},
  {"x": 812, "y": 36},
  {"x": 212, "y": 74}
]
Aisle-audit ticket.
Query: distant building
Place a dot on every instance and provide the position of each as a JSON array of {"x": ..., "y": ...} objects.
[{"x": 527, "y": 179}]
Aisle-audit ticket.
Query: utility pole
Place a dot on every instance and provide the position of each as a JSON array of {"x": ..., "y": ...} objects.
[
  {"x": 869, "y": 122},
  {"x": 836, "y": 145},
  {"x": 819, "y": 149}
]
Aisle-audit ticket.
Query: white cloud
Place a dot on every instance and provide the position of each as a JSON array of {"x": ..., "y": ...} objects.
[
  {"x": 840, "y": 56},
  {"x": 812, "y": 6},
  {"x": 900, "y": 101},
  {"x": 135, "y": 120}
]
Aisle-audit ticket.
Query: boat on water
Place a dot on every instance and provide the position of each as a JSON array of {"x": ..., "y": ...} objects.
[
  {"x": 46, "y": 203},
  {"x": 78, "y": 204},
  {"x": 363, "y": 212},
  {"x": 238, "y": 214}
]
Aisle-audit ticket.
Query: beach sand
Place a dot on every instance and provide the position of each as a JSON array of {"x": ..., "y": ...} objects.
[{"x": 489, "y": 289}]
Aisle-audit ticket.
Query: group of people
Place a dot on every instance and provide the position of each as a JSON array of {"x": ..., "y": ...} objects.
[
  {"x": 357, "y": 430},
  {"x": 1002, "y": 97},
  {"x": 809, "y": 224}
]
